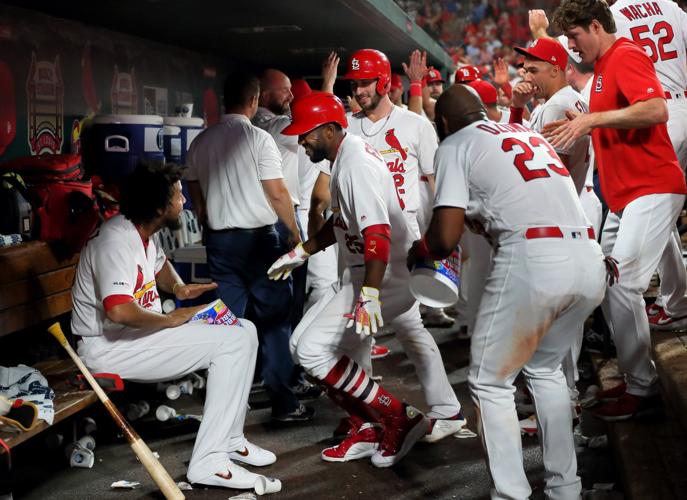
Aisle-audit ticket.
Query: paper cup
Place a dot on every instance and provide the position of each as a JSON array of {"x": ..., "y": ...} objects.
[
  {"x": 86, "y": 442},
  {"x": 265, "y": 485},
  {"x": 435, "y": 283},
  {"x": 216, "y": 313},
  {"x": 173, "y": 392},
  {"x": 82, "y": 457}
]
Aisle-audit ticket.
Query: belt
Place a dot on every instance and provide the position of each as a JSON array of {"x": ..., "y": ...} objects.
[
  {"x": 557, "y": 232},
  {"x": 674, "y": 95},
  {"x": 589, "y": 188},
  {"x": 238, "y": 229},
  {"x": 424, "y": 178}
]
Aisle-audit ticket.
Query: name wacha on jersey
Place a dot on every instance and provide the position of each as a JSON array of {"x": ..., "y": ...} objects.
[{"x": 641, "y": 10}]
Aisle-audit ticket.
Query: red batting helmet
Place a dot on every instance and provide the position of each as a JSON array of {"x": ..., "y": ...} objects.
[
  {"x": 314, "y": 110},
  {"x": 396, "y": 81},
  {"x": 370, "y": 64},
  {"x": 467, "y": 74}
]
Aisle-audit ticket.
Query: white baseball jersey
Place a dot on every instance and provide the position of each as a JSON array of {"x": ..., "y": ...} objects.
[
  {"x": 507, "y": 177},
  {"x": 363, "y": 195},
  {"x": 554, "y": 109},
  {"x": 660, "y": 27},
  {"x": 407, "y": 143},
  {"x": 114, "y": 267}
]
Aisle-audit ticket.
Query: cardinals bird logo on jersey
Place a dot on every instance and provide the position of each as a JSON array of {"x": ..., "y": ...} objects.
[{"x": 393, "y": 141}]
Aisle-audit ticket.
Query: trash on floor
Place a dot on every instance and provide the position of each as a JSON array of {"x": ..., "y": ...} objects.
[{"x": 124, "y": 485}]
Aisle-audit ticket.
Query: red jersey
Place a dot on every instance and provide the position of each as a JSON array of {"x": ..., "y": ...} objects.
[{"x": 634, "y": 162}]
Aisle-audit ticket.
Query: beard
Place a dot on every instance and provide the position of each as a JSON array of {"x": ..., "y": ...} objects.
[
  {"x": 316, "y": 154},
  {"x": 374, "y": 102},
  {"x": 279, "y": 108}
]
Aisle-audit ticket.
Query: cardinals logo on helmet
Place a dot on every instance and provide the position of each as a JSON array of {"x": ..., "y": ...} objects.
[{"x": 355, "y": 64}]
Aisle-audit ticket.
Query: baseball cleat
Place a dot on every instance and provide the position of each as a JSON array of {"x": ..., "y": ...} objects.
[
  {"x": 361, "y": 443},
  {"x": 234, "y": 476},
  {"x": 400, "y": 434},
  {"x": 626, "y": 407},
  {"x": 437, "y": 318},
  {"x": 662, "y": 322},
  {"x": 653, "y": 309},
  {"x": 252, "y": 454},
  {"x": 609, "y": 395},
  {"x": 301, "y": 414},
  {"x": 347, "y": 426},
  {"x": 439, "y": 428},
  {"x": 379, "y": 351},
  {"x": 528, "y": 426}
]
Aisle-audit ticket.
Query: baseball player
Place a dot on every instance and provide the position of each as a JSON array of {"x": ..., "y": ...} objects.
[
  {"x": 118, "y": 315},
  {"x": 546, "y": 63},
  {"x": 405, "y": 140},
  {"x": 370, "y": 230},
  {"x": 547, "y": 276},
  {"x": 467, "y": 74},
  {"x": 660, "y": 28},
  {"x": 641, "y": 181}
]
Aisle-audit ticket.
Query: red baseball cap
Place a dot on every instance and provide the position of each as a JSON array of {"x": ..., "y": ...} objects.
[
  {"x": 467, "y": 74},
  {"x": 434, "y": 76},
  {"x": 487, "y": 92},
  {"x": 396, "y": 81},
  {"x": 547, "y": 50}
]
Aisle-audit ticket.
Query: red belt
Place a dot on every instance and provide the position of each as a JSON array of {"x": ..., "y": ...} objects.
[
  {"x": 424, "y": 178},
  {"x": 589, "y": 188},
  {"x": 671, "y": 95},
  {"x": 553, "y": 232}
]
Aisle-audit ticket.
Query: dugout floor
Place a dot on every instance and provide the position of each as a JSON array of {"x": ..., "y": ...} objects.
[{"x": 452, "y": 468}]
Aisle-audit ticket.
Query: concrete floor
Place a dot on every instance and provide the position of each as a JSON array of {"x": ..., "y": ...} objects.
[{"x": 452, "y": 468}]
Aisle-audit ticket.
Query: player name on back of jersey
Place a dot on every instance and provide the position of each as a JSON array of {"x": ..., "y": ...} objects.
[
  {"x": 502, "y": 128},
  {"x": 641, "y": 10}
]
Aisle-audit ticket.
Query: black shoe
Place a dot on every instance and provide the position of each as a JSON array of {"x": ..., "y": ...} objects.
[
  {"x": 301, "y": 414},
  {"x": 306, "y": 390}
]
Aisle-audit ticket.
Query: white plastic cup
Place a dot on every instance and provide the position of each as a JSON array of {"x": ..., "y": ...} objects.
[
  {"x": 81, "y": 457},
  {"x": 86, "y": 442},
  {"x": 265, "y": 485},
  {"x": 164, "y": 413},
  {"x": 88, "y": 425},
  {"x": 436, "y": 283},
  {"x": 134, "y": 411},
  {"x": 186, "y": 386},
  {"x": 197, "y": 381},
  {"x": 173, "y": 392}
]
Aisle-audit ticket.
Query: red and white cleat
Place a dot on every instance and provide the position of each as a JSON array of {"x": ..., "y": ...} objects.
[
  {"x": 400, "y": 434},
  {"x": 359, "y": 444},
  {"x": 379, "y": 351}
]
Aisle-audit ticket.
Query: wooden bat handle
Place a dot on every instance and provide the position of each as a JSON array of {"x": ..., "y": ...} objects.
[{"x": 157, "y": 472}]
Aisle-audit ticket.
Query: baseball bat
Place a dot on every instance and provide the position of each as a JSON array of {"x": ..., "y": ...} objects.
[{"x": 157, "y": 472}]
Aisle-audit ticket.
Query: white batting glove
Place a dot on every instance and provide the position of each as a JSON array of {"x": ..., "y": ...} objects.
[
  {"x": 282, "y": 267},
  {"x": 367, "y": 314}
]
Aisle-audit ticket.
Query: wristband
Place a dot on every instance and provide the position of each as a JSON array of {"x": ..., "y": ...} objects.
[
  {"x": 175, "y": 287},
  {"x": 416, "y": 89},
  {"x": 377, "y": 240},
  {"x": 516, "y": 115}
]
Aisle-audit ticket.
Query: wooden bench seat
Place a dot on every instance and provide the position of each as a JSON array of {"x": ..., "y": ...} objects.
[{"x": 68, "y": 399}]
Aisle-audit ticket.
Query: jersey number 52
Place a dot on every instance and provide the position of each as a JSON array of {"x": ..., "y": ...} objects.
[
  {"x": 656, "y": 53},
  {"x": 527, "y": 154}
]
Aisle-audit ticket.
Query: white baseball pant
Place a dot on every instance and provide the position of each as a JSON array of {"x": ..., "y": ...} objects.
[
  {"x": 671, "y": 267},
  {"x": 636, "y": 238},
  {"x": 537, "y": 294},
  {"x": 321, "y": 338},
  {"x": 594, "y": 211},
  {"x": 228, "y": 352},
  {"x": 322, "y": 269}
]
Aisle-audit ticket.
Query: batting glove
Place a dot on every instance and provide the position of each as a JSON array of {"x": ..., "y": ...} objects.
[
  {"x": 367, "y": 314},
  {"x": 282, "y": 267}
]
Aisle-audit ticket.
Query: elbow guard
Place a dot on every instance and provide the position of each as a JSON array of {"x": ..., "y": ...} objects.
[{"x": 377, "y": 242}]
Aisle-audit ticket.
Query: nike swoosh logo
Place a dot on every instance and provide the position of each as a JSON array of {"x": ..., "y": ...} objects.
[{"x": 243, "y": 453}]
